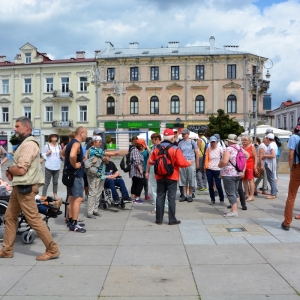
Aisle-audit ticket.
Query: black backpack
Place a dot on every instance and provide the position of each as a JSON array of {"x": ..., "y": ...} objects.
[
  {"x": 125, "y": 163},
  {"x": 163, "y": 165},
  {"x": 277, "y": 141}
]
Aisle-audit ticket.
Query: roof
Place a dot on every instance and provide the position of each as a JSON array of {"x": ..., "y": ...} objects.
[
  {"x": 287, "y": 104},
  {"x": 165, "y": 51}
]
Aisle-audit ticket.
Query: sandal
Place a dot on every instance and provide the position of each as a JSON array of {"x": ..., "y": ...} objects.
[
  {"x": 249, "y": 199},
  {"x": 153, "y": 212},
  {"x": 271, "y": 197},
  {"x": 79, "y": 220},
  {"x": 297, "y": 217}
]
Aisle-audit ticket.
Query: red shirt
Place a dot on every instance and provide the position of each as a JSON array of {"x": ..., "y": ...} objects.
[{"x": 177, "y": 158}]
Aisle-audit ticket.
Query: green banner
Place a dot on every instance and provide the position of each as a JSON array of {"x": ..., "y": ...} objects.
[{"x": 133, "y": 124}]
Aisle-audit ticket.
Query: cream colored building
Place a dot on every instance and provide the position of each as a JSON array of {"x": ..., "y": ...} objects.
[
  {"x": 52, "y": 93},
  {"x": 176, "y": 86}
]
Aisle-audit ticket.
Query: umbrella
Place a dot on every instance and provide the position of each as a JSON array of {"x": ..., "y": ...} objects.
[
  {"x": 143, "y": 135},
  {"x": 261, "y": 131}
]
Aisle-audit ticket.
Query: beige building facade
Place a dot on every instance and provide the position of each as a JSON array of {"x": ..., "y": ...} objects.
[
  {"x": 176, "y": 87},
  {"x": 52, "y": 93}
]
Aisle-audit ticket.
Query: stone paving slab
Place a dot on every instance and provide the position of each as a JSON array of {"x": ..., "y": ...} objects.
[
  {"x": 61, "y": 281},
  {"x": 49, "y": 298},
  {"x": 142, "y": 281},
  {"x": 230, "y": 280},
  {"x": 254, "y": 296}
]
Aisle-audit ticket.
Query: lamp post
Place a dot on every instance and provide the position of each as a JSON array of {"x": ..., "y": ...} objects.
[{"x": 257, "y": 83}]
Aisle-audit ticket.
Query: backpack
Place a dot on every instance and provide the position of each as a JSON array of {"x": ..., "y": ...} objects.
[
  {"x": 205, "y": 146},
  {"x": 92, "y": 165},
  {"x": 240, "y": 160},
  {"x": 125, "y": 163},
  {"x": 277, "y": 141},
  {"x": 163, "y": 165}
]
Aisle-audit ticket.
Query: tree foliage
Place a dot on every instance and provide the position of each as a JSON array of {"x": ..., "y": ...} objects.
[
  {"x": 223, "y": 125},
  {"x": 14, "y": 140}
]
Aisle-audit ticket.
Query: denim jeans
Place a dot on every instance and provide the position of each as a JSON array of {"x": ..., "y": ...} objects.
[
  {"x": 211, "y": 176},
  {"x": 272, "y": 181},
  {"x": 112, "y": 183}
]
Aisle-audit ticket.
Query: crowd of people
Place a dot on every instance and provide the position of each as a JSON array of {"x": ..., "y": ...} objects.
[{"x": 172, "y": 162}]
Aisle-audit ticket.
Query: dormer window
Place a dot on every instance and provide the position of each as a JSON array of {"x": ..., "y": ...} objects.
[{"x": 27, "y": 58}]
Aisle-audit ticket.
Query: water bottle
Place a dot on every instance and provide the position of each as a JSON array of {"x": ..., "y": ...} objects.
[{"x": 9, "y": 156}]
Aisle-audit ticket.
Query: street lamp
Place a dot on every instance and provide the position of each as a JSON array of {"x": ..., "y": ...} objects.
[{"x": 257, "y": 83}]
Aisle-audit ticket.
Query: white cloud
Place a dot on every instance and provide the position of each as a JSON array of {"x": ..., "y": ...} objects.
[{"x": 294, "y": 88}]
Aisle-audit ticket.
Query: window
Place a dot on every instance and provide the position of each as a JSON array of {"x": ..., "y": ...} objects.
[
  {"x": 49, "y": 113},
  {"x": 253, "y": 70},
  {"x": 231, "y": 104},
  {"x": 278, "y": 122},
  {"x": 253, "y": 103},
  {"x": 231, "y": 71},
  {"x": 82, "y": 113},
  {"x": 200, "y": 72},
  {"x": 27, "y": 83},
  {"x": 284, "y": 123},
  {"x": 27, "y": 58},
  {"x": 199, "y": 105},
  {"x": 175, "y": 73},
  {"x": 174, "y": 105},
  {"x": 65, "y": 113},
  {"x": 65, "y": 85},
  {"x": 134, "y": 105},
  {"x": 110, "y": 74},
  {"x": 292, "y": 121},
  {"x": 154, "y": 73},
  {"x": 49, "y": 85},
  {"x": 27, "y": 112},
  {"x": 154, "y": 105},
  {"x": 134, "y": 74},
  {"x": 5, "y": 115},
  {"x": 110, "y": 110},
  {"x": 82, "y": 84},
  {"x": 5, "y": 86}
]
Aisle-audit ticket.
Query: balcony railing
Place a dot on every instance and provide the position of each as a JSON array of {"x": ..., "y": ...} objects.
[
  {"x": 62, "y": 94},
  {"x": 64, "y": 124}
]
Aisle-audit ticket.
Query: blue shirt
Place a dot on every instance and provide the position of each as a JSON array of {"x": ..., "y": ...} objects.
[
  {"x": 145, "y": 155},
  {"x": 293, "y": 143}
]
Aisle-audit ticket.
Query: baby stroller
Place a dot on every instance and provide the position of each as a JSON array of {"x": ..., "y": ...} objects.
[
  {"x": 107, "y": 199},
  {"x": 49, "y": 207}
]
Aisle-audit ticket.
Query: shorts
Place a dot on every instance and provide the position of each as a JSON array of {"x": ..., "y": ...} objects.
[
  {"x": 77, "y": 189},
  {"x": 187, "y": 176},
  {"x": 249, "y": 174}
]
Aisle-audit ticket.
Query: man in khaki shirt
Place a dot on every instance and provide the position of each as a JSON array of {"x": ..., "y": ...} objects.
[{"x": 26, "y": 176}]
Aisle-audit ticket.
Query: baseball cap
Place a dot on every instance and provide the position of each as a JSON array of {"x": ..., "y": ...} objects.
[
  {"x": 97, "y": 131},
  {"x": 141, "y": 142},
  {"x": 168, "y": 132},
  {"x": 96, "y": 138},
  {"x": 201, "y": 132},
  {"x": 185, "y": 131},
  {"x": 269, "y": 130},
  {"x": 270, "y": 136},
  {"x": 213, "y": 139},
  {"x": 217, "y": 136}
]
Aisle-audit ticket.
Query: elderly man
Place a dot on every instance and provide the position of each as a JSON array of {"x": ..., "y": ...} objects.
[
  {"x": 97, "y": 132},
  {"x": 113, "y": 179},
  {"x": 27, "y": 176},
  {"x": 168, "y": 183},
  {"x": 190, "y": 151}
]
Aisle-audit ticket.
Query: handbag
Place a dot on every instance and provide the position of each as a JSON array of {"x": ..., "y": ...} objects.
[
  {"x": 92, "y": 165},
  {"x": 68, "y": 177},
  {"x": 258, "y": 172}
]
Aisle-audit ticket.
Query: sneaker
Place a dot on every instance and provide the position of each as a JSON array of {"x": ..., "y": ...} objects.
[
  {"x": 231, "y": 214},
  {"x": 80, "y": 224},
  {"x": 193, "y": 195},
  {"x": 203, "y": 189},
  {"x": 90, "y": 216},
  {"x": 127, "y": 198},
  {"x": 138, "y": 202},
  {"x": 255, "y": 193},
  {"x": 47, "y": 256},
  {"x": 181, "y": 195},
  {"x": 96, "y": 213},
  {"x": 199, "y": 189},
  {"x": 216, "y": 194},
  {"x": 244, "y": 208},
  {"x": 77, "y": 228},
  {"x": 147, "y": 198},
  {"x": 229, "y": 206},
  {"x": 222, "y": 202},
  {"x": 189, "y": 199},
  {"x": 182, "y": 199},
  {"x": 212, "y": 203}
]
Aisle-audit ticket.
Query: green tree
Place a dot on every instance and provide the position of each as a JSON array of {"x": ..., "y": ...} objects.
[
  {"x": 223, "y": 125},
  {"x": 14, "y": 140}
]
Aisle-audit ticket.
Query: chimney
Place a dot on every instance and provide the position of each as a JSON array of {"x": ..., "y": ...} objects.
[
  {"x": 2, "y": 58},
  {"x": 80, "y": 54},
  {"x": 134, "y": 45},
  {"x": 97, "y": 52},
  {"x": 212, "y": 43},
  {"x": 173, "y": 44},
  {"x": 110, "y": 46}
]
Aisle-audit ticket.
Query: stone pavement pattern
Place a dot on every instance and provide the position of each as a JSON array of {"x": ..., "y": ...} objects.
[{"x": 125, "y": 255}]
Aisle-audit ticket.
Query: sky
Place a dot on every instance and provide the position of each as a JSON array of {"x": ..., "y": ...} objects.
[{"x": 269, "y": 28}]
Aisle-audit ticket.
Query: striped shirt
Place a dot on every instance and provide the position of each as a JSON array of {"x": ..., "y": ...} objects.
[{"x": 29, "y": 152}]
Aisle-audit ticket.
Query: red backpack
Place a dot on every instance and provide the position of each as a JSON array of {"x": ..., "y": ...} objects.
[{"x": 163, "y": 165}]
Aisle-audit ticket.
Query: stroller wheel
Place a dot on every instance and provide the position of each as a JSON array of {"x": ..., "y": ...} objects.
[
  {"x": 27, "y": 237},
  {"x": 1, "y": 232},
  {"x": 105, "y": 206},
  {"x": 122, "y": 205}
]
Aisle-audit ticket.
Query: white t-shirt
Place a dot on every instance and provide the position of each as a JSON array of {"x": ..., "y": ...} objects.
[
  {"x": 271, "y": 162},
  {"x": 53, "y": 160}
]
